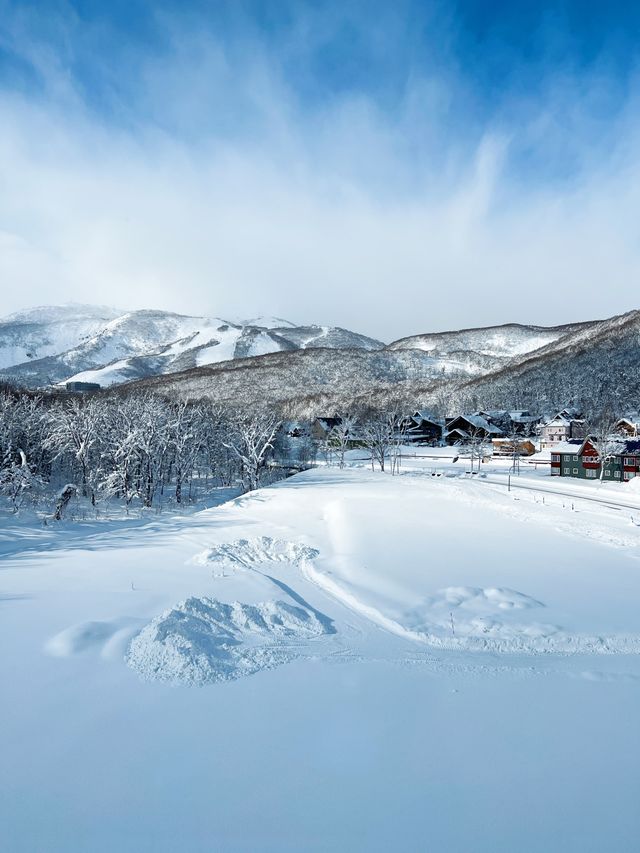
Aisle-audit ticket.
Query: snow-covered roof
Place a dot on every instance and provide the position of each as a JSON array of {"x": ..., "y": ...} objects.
[
  {"x": 521, "y": 418},
  {"x": 425, "y": 416},
  {"x": 570, "y": 412},
  {"x": 457, "y": 431},
  {"x": 493, "y": 413},
  {"x": 565, "y": 417},
  {"x": 572, "y": 446},
  {"x": 559, "y": 420},
  {"x": 632, "y": 420},
  {"x": 615, "y": 446},
  {"x": 479, "y": 422}
]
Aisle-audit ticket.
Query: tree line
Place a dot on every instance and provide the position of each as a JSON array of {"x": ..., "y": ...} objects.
[
  {"x": 143, "y": 449},
  {"x": 136, "y": 448}
]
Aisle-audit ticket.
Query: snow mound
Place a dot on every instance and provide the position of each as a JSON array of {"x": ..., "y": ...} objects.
[
  {"x": 248, "y": 553},
  {"x": 477, "y": 598},
  {"x": 109, "y": 638},
  {"x": 468, "y": 611},
  {"x": 78, "y": 638},
  {"x": 203, "y": 640}
]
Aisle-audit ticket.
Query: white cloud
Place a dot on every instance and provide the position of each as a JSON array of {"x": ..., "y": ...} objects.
[{"x": 242, "y": 201}]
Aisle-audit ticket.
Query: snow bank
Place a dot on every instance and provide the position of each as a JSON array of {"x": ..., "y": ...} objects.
[
  {"x": 476, "y": 612},
  {"x": 203, "y": 640},
  {"x": 248, "y": 553}
]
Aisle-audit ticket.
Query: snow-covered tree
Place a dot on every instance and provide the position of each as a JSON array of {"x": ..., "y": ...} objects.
[
  {"x": 73, "y": 429},
  {"x": 16, "y": 479},
  {"x": 250, "y": 437},
  {"x": 341, "y": 436}
]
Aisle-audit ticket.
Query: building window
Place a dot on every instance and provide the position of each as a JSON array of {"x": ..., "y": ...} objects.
[
  {"x": 567, "y": 470},
  {"x": 629, "y": 475},
  {"x": 607, "y": 473},
  {"x": 555, "y": 457},
  {"x": 616, "y": 474},
  {"x": 575, "y": 458},
  {"x": 629, "y": 461},
  {"x": 591, "y": 474},
  {"x": 575, "y": 470}
]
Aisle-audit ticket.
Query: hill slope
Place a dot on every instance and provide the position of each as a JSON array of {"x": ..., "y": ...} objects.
[
  {"x": 480, "y": 350},
  {"x": 595, "y": 363},
  {"x": 598, "y": 365},
  {"x": 53, "y": 345}
]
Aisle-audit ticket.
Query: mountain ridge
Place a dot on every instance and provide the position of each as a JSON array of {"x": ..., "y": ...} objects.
[
  {"x": 508, "y": 363},
  {"x": 52, "y": 345}
]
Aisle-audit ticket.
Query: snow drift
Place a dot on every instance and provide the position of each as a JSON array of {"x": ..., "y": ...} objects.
[{"x": 203, "y": 640}]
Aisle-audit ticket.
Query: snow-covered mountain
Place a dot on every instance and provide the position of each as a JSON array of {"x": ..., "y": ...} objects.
[
  {"x": 43, "y": 332},
  {"x": 478, "y": 351},
  {"x": 595, "y": 364},
  {"x": 269, "y": 358},
  {"x": 47, "y": 346}
]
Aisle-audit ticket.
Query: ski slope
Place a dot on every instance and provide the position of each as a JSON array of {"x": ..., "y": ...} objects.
[{"x": 345, "y": 661}]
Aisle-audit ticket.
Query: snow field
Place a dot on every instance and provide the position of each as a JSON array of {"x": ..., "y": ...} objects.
[{"x": 393, "y": 629}]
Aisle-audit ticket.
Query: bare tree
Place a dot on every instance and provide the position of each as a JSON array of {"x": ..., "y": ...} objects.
[
  {"x": 380, "y": 431},
  {"x": 251, "y": 436},
  {"x": 477, "y": 440},
  {"x": 341, "y": 436},
  {"x": 601, "y": 427}
]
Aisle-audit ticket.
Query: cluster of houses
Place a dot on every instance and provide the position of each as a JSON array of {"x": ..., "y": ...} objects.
[
  {"x": 499, "y": 428},
  {"x": 576, "y": 453},
  {"x": 573, "y": 451}
]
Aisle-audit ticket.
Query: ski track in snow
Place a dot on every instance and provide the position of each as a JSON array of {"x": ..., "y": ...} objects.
[{"x": 204, "y": 640}]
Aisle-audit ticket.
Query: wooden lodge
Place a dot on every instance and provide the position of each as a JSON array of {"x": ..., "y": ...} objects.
[{"x": 513, "y": 447}]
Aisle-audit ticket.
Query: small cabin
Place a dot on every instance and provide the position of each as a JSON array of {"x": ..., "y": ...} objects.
[{"x": 512, "y": 447}]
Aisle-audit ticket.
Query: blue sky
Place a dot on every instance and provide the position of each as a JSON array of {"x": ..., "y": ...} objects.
[{"x": 392, "y": 167}]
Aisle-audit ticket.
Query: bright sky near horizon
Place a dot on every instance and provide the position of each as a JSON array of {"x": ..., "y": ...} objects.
[{"x": 390, "y": 167}]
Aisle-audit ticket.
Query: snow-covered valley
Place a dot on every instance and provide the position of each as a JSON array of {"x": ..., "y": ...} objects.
[{"x": 344, "y": 661}]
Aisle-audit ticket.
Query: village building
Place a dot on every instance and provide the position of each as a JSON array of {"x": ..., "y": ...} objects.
[
  {"x": 321, "y": 427},
  {"x": 422, "y": 428},
  {"x": 321, "y": 432},
  {"x": 523, "y": 423},
  {"x": 582, "y": 459},
  {"x": 82, "y": 387},
  {"x": 628, "y": 426},
  {"x": 496, "y": 417},
  {"x": 466, "y": 428},
  {"x": 512, "y": 447},
  {"x": 567, "y": 425}
]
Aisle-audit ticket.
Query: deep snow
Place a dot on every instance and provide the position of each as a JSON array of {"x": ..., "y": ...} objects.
[{"x": 364, "y": 662}]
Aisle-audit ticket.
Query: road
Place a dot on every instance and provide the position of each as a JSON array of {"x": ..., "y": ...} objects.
[{"x": 553, "y": 489}]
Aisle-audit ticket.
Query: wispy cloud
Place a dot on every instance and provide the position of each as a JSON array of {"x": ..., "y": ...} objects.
[{"x": 214, "y": 169}]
